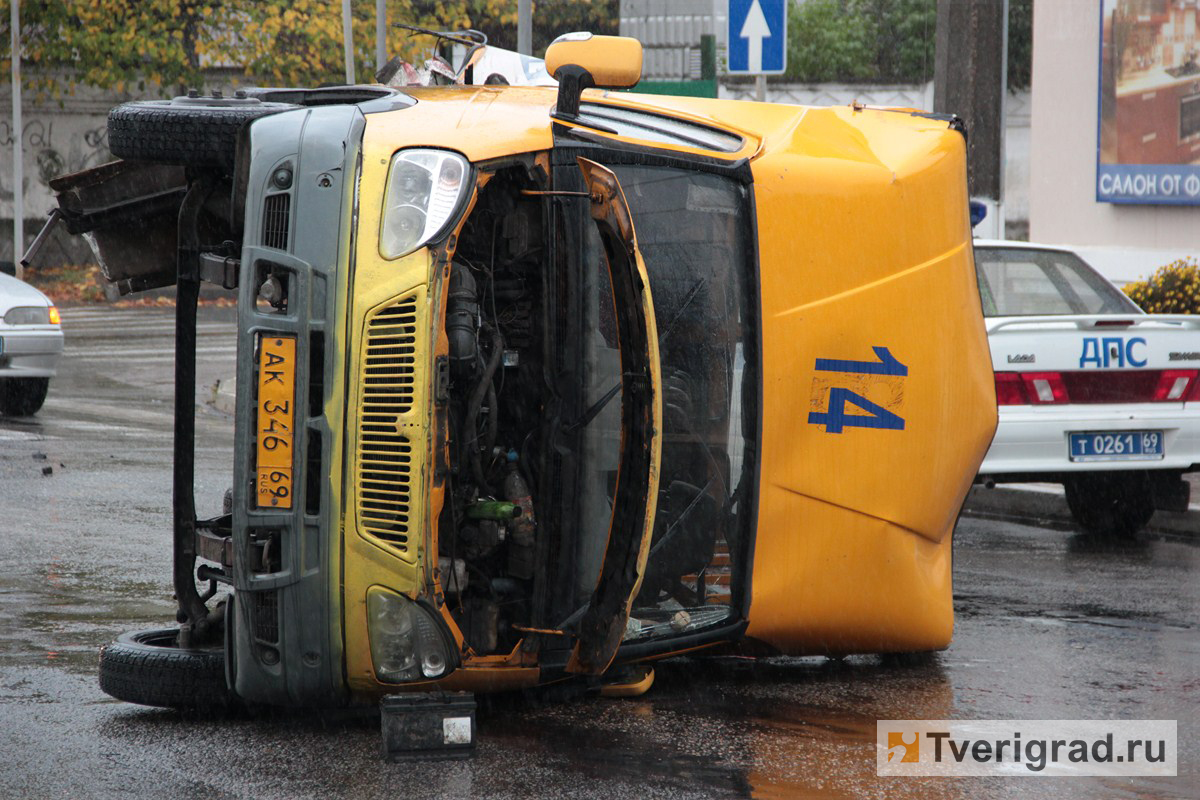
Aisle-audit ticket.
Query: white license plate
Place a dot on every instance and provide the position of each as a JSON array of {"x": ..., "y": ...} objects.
[{"x": 1116, "y": 446}]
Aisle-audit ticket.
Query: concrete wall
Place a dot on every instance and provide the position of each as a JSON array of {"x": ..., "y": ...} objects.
[
  {"x": 61, "y": 136},
  {"x": 670, "y": 32},
  {"x": 1125, "y": 241},
  {"x": 58, "y": 138}
]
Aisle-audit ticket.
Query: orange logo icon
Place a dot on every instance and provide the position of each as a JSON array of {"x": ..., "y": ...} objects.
[{"x": 903, "y": 746}]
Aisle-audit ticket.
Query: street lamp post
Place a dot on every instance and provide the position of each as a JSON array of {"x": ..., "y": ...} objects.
[
  {"x": 18, "y": 151},
  {"x": 348, "y": 40},
  {"x": 380, "y": 34},
  {"x": 524, "y": 27}
]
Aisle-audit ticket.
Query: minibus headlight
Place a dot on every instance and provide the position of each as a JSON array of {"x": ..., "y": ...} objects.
[
  {"x": 406, "y": 642},
  {"x": 425, "y": 189}
]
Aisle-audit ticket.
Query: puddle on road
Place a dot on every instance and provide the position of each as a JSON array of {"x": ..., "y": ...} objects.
[
  {"x": 779, "y": 728},
  {"x": 770, "y": 728},
  {"x": 1117, "y": 620},
  {"x": 62, "y": 617}
]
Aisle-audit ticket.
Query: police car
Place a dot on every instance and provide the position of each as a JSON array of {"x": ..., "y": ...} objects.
[{"x": 1092, "y": 392}]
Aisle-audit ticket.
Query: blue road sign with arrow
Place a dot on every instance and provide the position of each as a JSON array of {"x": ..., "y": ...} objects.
[{"x": 757, "y": 37}]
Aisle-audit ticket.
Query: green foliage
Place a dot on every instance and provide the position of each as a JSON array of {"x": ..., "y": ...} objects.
[
  {"x": 551, "y": 19},
  {"x": 904, "y": 36},
  {"x": 158, "y": 37},
  {"x": 885, "y": 41},
  {"x": 1020, "y": 44},
  {"x": 1172, "y": 289},
  {"x": 135, "y": 44},
  {"x": 128, "y": 44},
  {"x": 172, "y": 44},
  {"x": 826, "y": 42}
]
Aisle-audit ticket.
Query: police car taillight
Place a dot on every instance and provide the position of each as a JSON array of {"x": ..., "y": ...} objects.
[
  {"x": 1092, "y": 387},
  {"x": 1177, "y": 385},
  {"x": 1045, "y": 387},
  {"x": 1030, "y": 388},
  {"x": 1010, "y": 390}
]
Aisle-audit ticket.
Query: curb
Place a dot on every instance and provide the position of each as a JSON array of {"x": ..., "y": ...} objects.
[
  {"x": 223, "y": 395},
  {"x": 1042, "y": 503}
]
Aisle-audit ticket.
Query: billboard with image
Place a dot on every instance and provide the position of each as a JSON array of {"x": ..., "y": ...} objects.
[{"x": 1149, "y": 127}]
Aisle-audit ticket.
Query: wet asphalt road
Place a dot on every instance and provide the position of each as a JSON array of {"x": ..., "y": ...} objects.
[{"x": 1051, "y": 625}]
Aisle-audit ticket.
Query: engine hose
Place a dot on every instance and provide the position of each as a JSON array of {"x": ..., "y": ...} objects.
[
  {"x": 493, "y": 420},
  {"x": 482, "y": 390}
]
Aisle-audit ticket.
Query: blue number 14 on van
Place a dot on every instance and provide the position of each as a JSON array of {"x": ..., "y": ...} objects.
[{"x": 836, "y": 418}]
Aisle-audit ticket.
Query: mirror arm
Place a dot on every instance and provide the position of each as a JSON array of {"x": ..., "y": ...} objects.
[{"x": 572, "y": 80}]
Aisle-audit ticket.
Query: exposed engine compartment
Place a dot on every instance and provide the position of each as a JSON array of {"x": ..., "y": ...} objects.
[
  {"x": 538, "y": 401},
  {"x": 494, "y": 326}
]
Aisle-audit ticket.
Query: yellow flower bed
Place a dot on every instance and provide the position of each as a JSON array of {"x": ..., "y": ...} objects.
[{"x": 1173, "y": 289}]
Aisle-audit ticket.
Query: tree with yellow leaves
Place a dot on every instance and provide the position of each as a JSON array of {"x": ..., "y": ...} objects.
[{"x": 175, "y": 44}]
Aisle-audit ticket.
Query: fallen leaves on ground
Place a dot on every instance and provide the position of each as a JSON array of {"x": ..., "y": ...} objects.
[
  {"x": 68, "y": 285},
  {"x": 73, "y": 285},
  {"x": 169, "y": 302}
]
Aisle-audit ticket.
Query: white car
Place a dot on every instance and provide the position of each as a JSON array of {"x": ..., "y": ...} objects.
[
  {"x": 1092, "y": 392},
  {"x": 31, "y": 342}
]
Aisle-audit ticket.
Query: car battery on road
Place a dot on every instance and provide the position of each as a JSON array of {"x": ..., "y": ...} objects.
[{"x": 428, "y": 726}]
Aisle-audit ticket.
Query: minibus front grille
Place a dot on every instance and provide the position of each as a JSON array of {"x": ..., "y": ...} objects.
[
  {"x": 266, "y": 616},
  {"x": 384, "y": 456},
  {"x": 277, "y": 211},
  {"x": 390, "y": 358}
]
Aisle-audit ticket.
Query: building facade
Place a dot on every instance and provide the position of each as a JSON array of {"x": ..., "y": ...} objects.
[{"x": 1114, "y": 161}]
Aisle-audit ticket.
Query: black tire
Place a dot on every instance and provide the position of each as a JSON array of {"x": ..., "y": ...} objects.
[
  {"x": 1111, "y": 503},
  {"x": 21, "y": 397},
  {"x": 148, "y": 668},
  {"x": 187, "y": 131}
]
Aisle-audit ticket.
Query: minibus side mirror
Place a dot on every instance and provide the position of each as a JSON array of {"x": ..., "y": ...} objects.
[{"x": 581, "y": 61}]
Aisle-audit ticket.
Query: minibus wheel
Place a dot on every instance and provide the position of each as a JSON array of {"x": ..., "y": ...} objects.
[
  {"x": 149, "y": 668},
  {"x": 190, "y": 131}
]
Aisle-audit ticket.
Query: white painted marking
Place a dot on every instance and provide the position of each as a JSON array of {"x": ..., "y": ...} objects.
[{"x": 19, "y": 436}]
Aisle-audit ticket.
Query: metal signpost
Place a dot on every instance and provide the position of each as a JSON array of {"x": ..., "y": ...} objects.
[
  {"x": 18, "y": 154},
  {"x": 757, "y": 40},
  {"x": 525, "y": 27},
  {"x": 348, "y": 41},
  {"x": 381, "y": 56}
]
